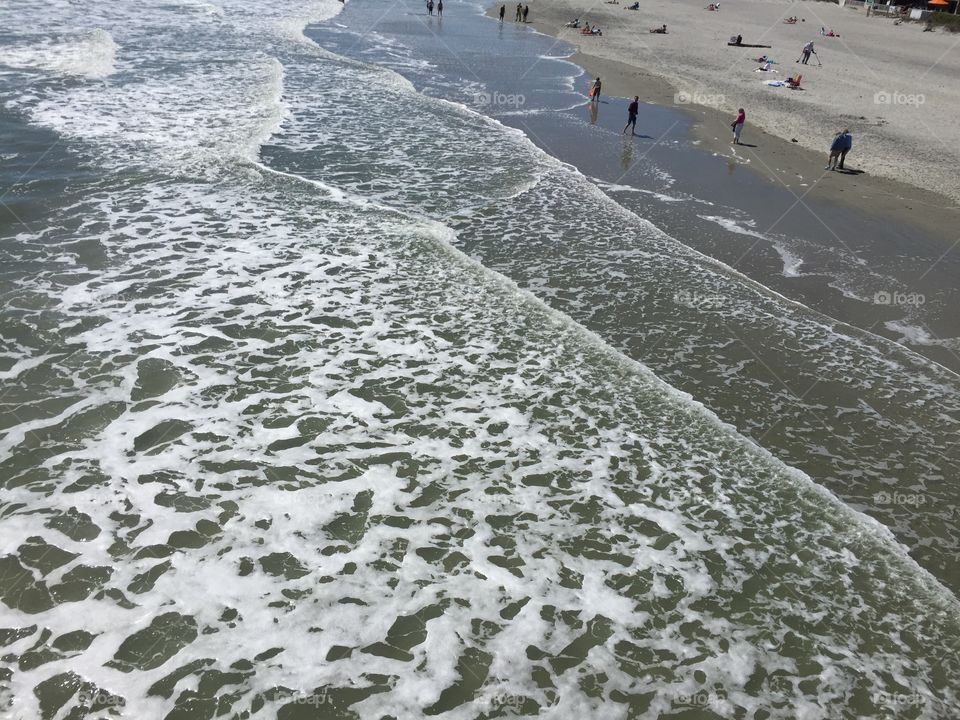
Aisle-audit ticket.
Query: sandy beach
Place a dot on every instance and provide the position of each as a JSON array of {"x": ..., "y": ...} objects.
[{"x": 905, "y": 139}]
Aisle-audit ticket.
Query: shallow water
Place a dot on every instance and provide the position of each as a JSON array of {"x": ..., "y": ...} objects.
[
  {"x": 273, "y": 446},
  {"x": 874, "y": 423}
]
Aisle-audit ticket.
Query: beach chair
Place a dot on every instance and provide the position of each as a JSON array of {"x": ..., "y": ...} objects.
[{"x": 794, "y": 82}]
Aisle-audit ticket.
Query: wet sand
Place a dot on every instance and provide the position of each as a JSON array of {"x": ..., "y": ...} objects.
[
  {"x": 787, "y": 164},
  {"x": 835, "y": 243}
]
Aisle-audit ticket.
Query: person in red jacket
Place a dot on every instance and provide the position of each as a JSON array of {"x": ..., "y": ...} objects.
[{"x": 737, "y": 125}]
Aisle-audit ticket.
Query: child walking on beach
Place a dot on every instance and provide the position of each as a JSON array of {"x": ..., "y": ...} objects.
[
  {"x": 632, "y": 111},
  {"x": 737, "y": 125}
]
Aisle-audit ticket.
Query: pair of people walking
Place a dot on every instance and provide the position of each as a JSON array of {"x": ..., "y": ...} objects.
[
  {"x": 841, "y": 145},
  {"x": 522, "y": 11}
]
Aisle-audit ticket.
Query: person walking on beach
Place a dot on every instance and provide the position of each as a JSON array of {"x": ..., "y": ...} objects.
[
  {"x": 430, "y": 7},
  {"x": 807, "y": 50},
  {"x": 632, "y": 111},
  {"x": 841, "y": 145},
  {"x": 503, "y": 11},
  {"x": 439, "y": 8},
  {"x": 836, "y": 146},
  {"x": 519, "y": 12},
  {"x": 526, "y": 9},
  {"x": 846, "y": 146},
  {"x": 737, "y": 125},
  {"x": 595, "y": 91}
]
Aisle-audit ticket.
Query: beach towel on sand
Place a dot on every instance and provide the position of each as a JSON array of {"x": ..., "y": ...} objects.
[{"x": 775, "y": 83}]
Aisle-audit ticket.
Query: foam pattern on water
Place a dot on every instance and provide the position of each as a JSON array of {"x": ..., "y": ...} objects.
[
  {"x": 874, "y": 423},
  {"x": 321, "y": 461},
  {"x": 270, "y": 449},
  {"x": 88, "y": 54}
]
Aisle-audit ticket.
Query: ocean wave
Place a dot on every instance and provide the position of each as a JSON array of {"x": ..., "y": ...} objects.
[
  {"x": 88, "y": 54},
  {"x": 407, "y": 483}
]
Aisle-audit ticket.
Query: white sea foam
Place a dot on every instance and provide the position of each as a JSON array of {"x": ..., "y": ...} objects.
[
  {"x": 791, "y": 259},
  {"x": 919, "y": 334},
  {"x": 204, "y": 117},
  {"x": 332, "y": 379},
  {"x": 88, "y": 54},
  {"x": 394, "y": 336},
  {"x": 735, "y": 226}
]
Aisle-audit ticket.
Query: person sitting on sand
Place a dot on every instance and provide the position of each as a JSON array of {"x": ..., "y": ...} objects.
[{"x": 739, "y": 40}]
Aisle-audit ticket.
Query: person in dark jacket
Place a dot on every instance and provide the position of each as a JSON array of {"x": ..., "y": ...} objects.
[
  {"x": 846, "y": 146},
  {"x": 632, "y": 111},
  {"x": 836, "y": 147}
]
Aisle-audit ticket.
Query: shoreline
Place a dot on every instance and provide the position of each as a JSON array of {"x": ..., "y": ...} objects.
[{"x": 780, "y": 161}]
